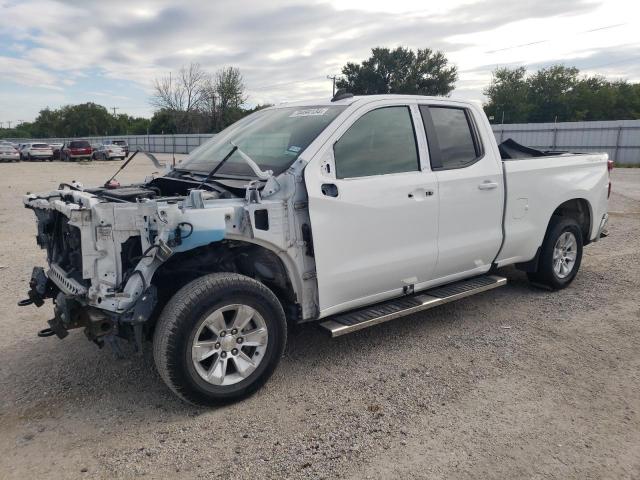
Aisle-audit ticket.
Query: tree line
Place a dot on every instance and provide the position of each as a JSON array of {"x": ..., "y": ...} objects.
[
  {"x": 558, "y": 93},
  {"x": 193, "y": 100}
]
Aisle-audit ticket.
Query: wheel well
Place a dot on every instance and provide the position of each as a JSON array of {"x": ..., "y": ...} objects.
[
  {"x": 235, "y": 256},
  {"x": 578, "y": 209}
]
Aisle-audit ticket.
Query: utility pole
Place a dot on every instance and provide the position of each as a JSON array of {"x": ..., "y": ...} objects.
[
  {"x": 114, "y": 110},
  {"x": 329, "y": 77}
]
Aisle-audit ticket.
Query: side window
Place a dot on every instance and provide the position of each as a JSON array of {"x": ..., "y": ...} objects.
[
  {"x": 382, "y": 141},
  {"x": 452, "y": 138}
]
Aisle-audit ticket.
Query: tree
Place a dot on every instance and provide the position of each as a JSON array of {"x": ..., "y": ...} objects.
[
  {"x": 224, "y": 98},
  {"x": 423, "y": 72},
  {"x": 508, "y": 95},
  {"x": 198, "y": 100},
  {"x": 548, "y": 89},
  {"x": 163, "y": 122},
  {"x": 183, "y": 94},
  {"x": 558, "y": 93}
]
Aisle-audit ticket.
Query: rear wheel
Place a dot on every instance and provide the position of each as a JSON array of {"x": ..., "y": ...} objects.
[
  {"x": 219, "y": 338},
  {"x": 561, "y": 254}
]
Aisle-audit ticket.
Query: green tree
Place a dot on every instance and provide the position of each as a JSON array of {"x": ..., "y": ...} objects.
[
  {"x": 549, "y": 89},
  {"x": 508, "y": 95},
  {"x": 401, "y": 70},
  {"x": 163, "y": 122},
  {"x": 558, "y": 93}
]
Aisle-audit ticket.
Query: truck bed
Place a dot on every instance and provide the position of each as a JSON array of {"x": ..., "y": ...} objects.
[{"x": 534, "y": 189}]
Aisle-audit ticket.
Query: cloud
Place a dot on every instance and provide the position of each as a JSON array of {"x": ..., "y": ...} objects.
[
  {"x": 26, "y": 73},
  {"x": 284, "y": 48}
]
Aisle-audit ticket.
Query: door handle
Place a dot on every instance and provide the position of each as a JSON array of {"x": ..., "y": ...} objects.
[
  {"x": 419, "y": 194},
  {"x": 488, "y": 185},
  {"x": 329, "y": 190}
]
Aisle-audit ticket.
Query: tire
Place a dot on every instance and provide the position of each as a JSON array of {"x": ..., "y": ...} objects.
[
  {"x": 550, "y": 271},
  {"x": 183, "y": 324}
]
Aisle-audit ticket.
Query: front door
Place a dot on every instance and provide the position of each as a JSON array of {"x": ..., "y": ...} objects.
[{"x": 373, "y": 208}]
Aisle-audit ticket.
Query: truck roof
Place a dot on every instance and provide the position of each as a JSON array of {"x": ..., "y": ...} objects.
[{"x": 366, "y": 99}]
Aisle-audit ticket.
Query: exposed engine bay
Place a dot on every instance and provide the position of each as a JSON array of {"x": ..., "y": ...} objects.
[{"x": 116, "y": 253}]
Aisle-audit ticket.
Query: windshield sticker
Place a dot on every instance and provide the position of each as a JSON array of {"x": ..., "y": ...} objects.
[
  {"x": 293, "y": 149},
  {"x": 309, "y": 112}
]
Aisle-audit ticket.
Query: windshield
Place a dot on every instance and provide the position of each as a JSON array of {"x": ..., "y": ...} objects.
[{"x": 272, "y": 138}]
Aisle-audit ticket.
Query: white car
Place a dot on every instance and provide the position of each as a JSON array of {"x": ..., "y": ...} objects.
[
  {"x": 36, "y": 151},
  {"x": 109, "y": 151},
  {"x": 8, "y": 153},
  {"x": 347, "y": 212}
]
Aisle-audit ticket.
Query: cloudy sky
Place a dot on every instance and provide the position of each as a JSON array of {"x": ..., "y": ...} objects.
[{"x": 54, "y": 53}]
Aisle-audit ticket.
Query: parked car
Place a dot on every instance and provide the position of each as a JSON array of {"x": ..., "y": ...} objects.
[
  {"x": 124, "y": 145},
  {"x": 349, "y": 213},
  {"x": 108, "y": 152},
  {"x": 36, "y": 151},
  {"x": 8, "y": 153},
  {"x": 76, "y": 150},
  {"x": 56, "y": 147}
]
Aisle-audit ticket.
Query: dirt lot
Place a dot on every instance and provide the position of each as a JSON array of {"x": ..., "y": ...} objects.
[{"x": 513, "y": 383}]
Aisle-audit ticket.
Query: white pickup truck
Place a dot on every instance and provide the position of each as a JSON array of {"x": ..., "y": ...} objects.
[{"x": 348, "y": 212}]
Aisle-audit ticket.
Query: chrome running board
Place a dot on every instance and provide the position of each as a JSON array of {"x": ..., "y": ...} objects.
[{"x": 354, "y": 320}]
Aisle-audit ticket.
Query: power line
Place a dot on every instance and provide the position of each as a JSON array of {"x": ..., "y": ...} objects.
[
  {"x": 616, "y": 62},
  {"x": 513, "y": 47}
]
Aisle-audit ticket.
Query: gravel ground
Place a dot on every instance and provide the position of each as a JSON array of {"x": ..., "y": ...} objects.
[{"x": 513, "y": 383}]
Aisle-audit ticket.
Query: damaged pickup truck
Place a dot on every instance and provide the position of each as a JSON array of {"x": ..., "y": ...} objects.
[{"x": 349, "y": 212}]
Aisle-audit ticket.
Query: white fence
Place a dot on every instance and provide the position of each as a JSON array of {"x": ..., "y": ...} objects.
[
  {"x": 620, "y": 139},
  {"x": 180, "y": 143}
]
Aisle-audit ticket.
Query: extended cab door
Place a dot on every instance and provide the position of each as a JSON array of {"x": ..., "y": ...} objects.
[
  {"x": 374, "y": 208},
  {"x": 471, "y": 190}
]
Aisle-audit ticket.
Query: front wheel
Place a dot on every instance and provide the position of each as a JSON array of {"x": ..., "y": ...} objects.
[
  {"x": 561, "y": 254},
  {"x": 219, "y": 339}
]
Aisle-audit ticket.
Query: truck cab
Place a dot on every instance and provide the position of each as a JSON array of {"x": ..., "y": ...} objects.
[{"x": 347, "y": 212}]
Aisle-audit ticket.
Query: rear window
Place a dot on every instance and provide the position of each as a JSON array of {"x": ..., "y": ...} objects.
[
  {"x": 452, "y": 141},
  {"x": 40, "y": 145},
  {"x": 80, "y": 144},
  {"x": 119, "y": 142}
]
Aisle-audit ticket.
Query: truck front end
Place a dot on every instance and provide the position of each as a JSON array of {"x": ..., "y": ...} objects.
[{"x": 105, "y": 244}]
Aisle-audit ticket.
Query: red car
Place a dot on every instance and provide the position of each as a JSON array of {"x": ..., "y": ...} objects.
[{"x": 76, "y": 150}]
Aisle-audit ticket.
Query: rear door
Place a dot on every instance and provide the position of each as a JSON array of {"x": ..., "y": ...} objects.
[
  {"x": 373, "y": 208},
  {"x": 471, "y": 191}
]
